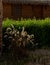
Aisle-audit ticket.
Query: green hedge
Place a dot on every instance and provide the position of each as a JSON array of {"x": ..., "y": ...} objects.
[{"x": 40, "y": 28}]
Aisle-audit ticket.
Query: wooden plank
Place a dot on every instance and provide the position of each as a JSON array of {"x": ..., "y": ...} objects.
[
  {"x": 27, "y": 11},
  {"x": 1, "y": 12},
  {"x": 6, "y": 10}
]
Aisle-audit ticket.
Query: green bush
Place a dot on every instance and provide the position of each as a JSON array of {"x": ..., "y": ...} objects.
[{"x": 40, "y": 28}]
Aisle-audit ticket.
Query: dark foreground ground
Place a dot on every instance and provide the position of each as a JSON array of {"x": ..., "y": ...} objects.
[{"x": 37, "y": 57}]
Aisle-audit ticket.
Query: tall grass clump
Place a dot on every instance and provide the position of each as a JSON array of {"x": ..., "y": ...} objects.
[{"x": 40, "y": 28}]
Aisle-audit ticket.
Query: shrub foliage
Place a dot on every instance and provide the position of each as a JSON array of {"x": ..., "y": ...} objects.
[{"x": 40, "y": 28}]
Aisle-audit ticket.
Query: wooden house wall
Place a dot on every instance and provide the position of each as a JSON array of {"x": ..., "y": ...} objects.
[
  {"x": 36, "y": 11},
  {"x": 6, "y": 10},
  {"x": 16, "y": 11},
  {"x": 26, "y": 11},
  {"x": 46, "y": 11}
]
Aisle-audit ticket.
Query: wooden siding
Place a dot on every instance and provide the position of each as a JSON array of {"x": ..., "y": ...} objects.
[
  {"x": 37, "y": 11},
  {"x": 46, "y": 11},
  {"x": 16, "y": 11},
  {"x": 6, "y": 10},
  {"x": 27, "y": 11}
]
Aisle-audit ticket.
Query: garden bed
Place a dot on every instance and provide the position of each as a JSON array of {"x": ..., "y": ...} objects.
[
  {"x": 38, "y": 54},
  {"x": 37, "y": 57},
  {"x": 40, "y": 28}
]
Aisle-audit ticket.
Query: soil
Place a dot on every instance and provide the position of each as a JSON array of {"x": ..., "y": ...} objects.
[{"x": 37, "y": 57}]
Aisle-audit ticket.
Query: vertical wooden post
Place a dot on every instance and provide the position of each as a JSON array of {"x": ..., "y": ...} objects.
[
  {"x": 1, "y": 12},
  {"x": 41, "y": 11}
]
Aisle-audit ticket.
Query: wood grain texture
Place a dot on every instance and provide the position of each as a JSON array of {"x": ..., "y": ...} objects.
[{"x": 1, "y": 13}]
